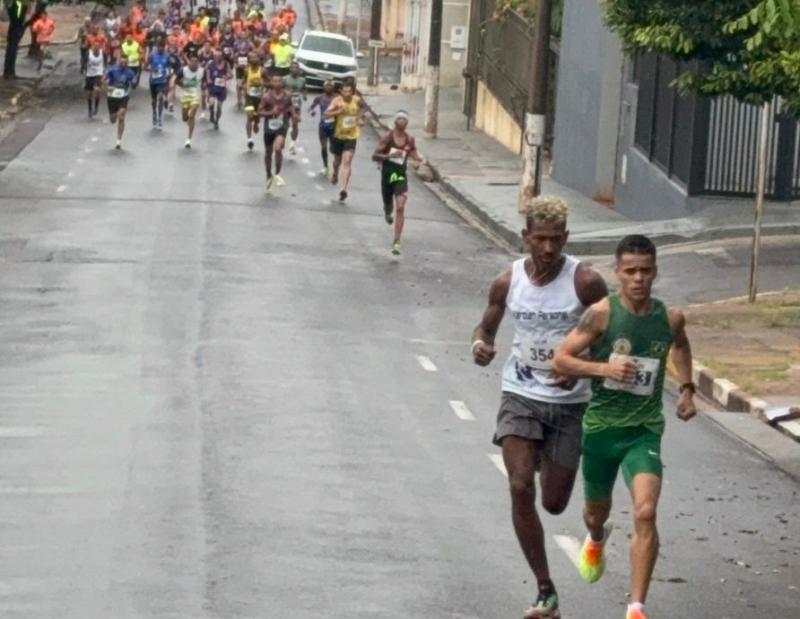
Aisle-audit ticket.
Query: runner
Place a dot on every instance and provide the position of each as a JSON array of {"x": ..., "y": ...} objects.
[
  {"x": 119, "y": 80},
  {"x": 242, "y": 49},
  {"x": 158, "y": 63},
  {"x": 629, "y": 337},
  {"x": 296, "y": 86},
  {"x": 206, "y": 56},
  {"x": 255, "y": 77},
  {"x": 539, "y": 423},
  {"x": 283, "y": 54},
  {"x": 218, "y": 74},
  {"x": 277, "y": 110},
  {"x": 348, "y": 110},
  {"x": 174, "y": 68},
  {"x": 42, "y": 30},
  {"x": 326, "y": 125},
  {"x": 190, "y": 79},
  {"x": 133, "y": 52},
  {"x": 95, "y": 69},
  {"x": 393, "y": 152}
]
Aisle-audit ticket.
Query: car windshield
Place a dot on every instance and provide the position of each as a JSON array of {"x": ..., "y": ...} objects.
[{"x": 327, "y": 45}]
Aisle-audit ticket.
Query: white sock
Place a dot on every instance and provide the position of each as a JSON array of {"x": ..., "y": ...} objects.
[{"x": 636, "y": 606}]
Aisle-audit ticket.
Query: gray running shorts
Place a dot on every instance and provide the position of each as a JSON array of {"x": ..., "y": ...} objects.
[{"x": 556, "y": 426}]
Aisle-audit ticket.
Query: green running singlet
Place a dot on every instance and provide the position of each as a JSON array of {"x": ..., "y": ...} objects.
[{"x": 647, "y": 340}]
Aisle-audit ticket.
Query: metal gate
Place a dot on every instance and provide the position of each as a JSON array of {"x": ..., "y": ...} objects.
[{"x": 414, "y": 46}]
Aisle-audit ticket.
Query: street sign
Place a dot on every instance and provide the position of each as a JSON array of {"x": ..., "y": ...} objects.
[{"x": 377, "y": 43}]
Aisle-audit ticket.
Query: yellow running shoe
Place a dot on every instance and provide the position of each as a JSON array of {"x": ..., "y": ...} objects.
[
  {"x": 279, "y": 182},
  {"x": 592, "y": 562},
  {"x": 635, "y": 611}
]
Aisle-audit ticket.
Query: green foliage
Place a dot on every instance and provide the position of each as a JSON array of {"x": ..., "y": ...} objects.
[{"x": 746, "y": 48}]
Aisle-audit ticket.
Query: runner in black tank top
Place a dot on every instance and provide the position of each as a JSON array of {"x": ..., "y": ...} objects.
[{"x": 393, "y": 153}]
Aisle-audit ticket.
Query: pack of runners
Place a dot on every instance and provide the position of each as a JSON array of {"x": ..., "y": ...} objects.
[{"x": 192, "y": 61}]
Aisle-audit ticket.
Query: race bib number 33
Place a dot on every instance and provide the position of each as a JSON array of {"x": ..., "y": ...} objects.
[{"x": 643, "y": 383}]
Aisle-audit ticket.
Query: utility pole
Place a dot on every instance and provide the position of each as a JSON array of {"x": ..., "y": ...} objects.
[
  {"x": 341, "y": 18},
  {"x": 761, "y": 185},
  {"x": 432, "y": 77},
  {"x": 376, "y": 16},
  {"x": 536, "y": 109}
]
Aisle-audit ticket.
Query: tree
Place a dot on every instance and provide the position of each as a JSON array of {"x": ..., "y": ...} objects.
[{"x": 748, "y": 49}]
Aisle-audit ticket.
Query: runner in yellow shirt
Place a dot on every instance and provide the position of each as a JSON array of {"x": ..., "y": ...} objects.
[{"x": 348, "y": 111}]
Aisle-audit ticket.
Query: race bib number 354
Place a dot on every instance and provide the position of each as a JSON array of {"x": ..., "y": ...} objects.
[
  {"x": 643, "y": 383},
  {"x": 537, "y": 350}
]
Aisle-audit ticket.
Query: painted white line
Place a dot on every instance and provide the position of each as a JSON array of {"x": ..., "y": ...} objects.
[
  {"x": 70, "y": 174},
  {"x": 497, "y": 460},
  {"x": 311, "y": 174},
  {"x": 319, "y": 187},
  {"x": 571, "y": 547},
  {"x": 427, "y": 364},
  {"x": 462, "y": 410},
  {"x": 95, "y": 138},
  {"x": 19, "y": 432},
  {"x": 61, "y": 188},
  {"x": 306, "y": 160}
]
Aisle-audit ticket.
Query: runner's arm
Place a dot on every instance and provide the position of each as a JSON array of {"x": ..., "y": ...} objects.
[
  {"x": 314, "y": 104},
  {"x": 568, "y": 361},
  {"x": 334, "y": 109},
  {"x": 681, "y": 357},
  {"x": 264, "y": 108},
  {"x": 483, "y": 350},
  {"x": 382, "y": 150}
]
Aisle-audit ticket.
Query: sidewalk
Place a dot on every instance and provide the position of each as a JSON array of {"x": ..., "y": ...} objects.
[{"x": 483, "y": 176}]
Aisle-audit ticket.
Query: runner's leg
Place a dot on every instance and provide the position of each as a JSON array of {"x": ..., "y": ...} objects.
[
  {"x": 645, "y": 491},
  {"x": 347, "y": 168},
  {"x": 519, "y": 456},
  {"x": 279, "y": 143},
  {"x": 400, "y": 215},
  {"x": 190, "y": 119},
  {"x": 121, "y": 122}
]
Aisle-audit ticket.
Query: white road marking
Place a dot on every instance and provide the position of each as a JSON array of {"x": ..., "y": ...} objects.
[
  {"x": 319, "y": 187},
  {"x": 80, "y": 160},
  {"x": 306, "y": 160},
  {"x": 61, "y": 188},
  {"x": 19, "y": 431},
  {"x": 717, "y": 252},
  {"x": 571, "y": 547},
  {"x": 497, "y": 460},
  {"x": 311, "y": 174},
  {"x": 301, "y": 149},
  {"x": 95, "y": 138},
  {"x": 462, "y": 410},
  {"x": 70, "y": 174},
  {"x": 427, "y": 364}
]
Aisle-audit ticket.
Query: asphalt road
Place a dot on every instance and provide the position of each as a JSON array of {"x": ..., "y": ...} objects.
[{"x": 216, "y": 405}]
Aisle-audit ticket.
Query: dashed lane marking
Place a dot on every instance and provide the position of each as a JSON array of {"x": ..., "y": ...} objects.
[
  {"x": 319, "y": 187},
  {"x": 61, "y": 188},
  {"x": 497, "y": 460},
  {"x": 571, "y": 546},
  {"x": 306, "y": 160},
  {"x": 462, "y": 410},
  {"x": 95, "y": 138},
  {"x": 311, "y": 174},
  {"x": 427, "y": 364},
  {"x": 19, "y": 431}
]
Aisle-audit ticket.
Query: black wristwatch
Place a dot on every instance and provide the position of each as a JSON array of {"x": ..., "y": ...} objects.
[{"x": 688, "y": 386}]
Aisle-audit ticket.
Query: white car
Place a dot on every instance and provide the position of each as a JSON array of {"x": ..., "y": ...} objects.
[{"x": 326, "y": 56}]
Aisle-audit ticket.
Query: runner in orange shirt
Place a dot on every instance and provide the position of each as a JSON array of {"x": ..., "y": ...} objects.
[
  {"x": 289, "y": 17},
  {"x": 42, "y": 30}
]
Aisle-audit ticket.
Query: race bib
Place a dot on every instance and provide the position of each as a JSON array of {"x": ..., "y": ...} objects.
[
  {"x": 157, "y": 74},
  {"x": 117, "y": 93},
  {"x": 643, "y": 383},
  {"x": 219, "y": 81},
  {"x": 242, "y": 61},
  {"x": 227, "y": 51},
  {"x": 536, "y": 350},
  {"x": 296, "y": 100},
  {"x": 275, "y": 124},
  {"x": 349, "y": 122},
  {"x": 254, "y": 91},
  {"x": 397, "y": 153}
]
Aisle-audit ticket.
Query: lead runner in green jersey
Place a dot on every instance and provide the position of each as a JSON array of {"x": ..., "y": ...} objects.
[{"x": 630, "y": 337}]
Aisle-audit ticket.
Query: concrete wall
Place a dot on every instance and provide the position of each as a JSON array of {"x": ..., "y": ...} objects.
[
  {"x": 393, "y": 22},
  {"x": 587, "y": 102},
  {"x": 492, "y": 119}
]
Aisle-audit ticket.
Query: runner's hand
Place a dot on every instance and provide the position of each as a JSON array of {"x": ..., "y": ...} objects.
[
  {"x": 622, "y": 370},
  {"x": 686, "y": 408},
  {"x": 563, "y": 382},
  {"x": 483, "y": 354}
]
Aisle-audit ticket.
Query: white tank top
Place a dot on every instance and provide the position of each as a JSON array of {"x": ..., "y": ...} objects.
[
  {"x": 542, "y": 315},
  {"x": 95, "y": 64}
]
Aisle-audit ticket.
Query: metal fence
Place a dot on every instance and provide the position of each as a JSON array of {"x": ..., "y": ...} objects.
[
  {"x": 500, "y": 56},
  {"x": 710, "y": 145}
]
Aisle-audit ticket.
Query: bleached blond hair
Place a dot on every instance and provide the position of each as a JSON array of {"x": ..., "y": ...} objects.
[{"x": 547, "y": 210}]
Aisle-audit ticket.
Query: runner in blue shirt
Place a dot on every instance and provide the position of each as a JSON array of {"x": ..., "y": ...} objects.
[
  {"x": 175, "y": 67},
  {"x": 118, "y": 81},
  {"x": 158, "y": 64}
]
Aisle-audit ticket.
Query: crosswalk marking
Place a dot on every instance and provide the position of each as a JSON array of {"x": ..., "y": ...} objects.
[
  {"x": 461, "y": 410},
  {"x": 427, "y": 364}
]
